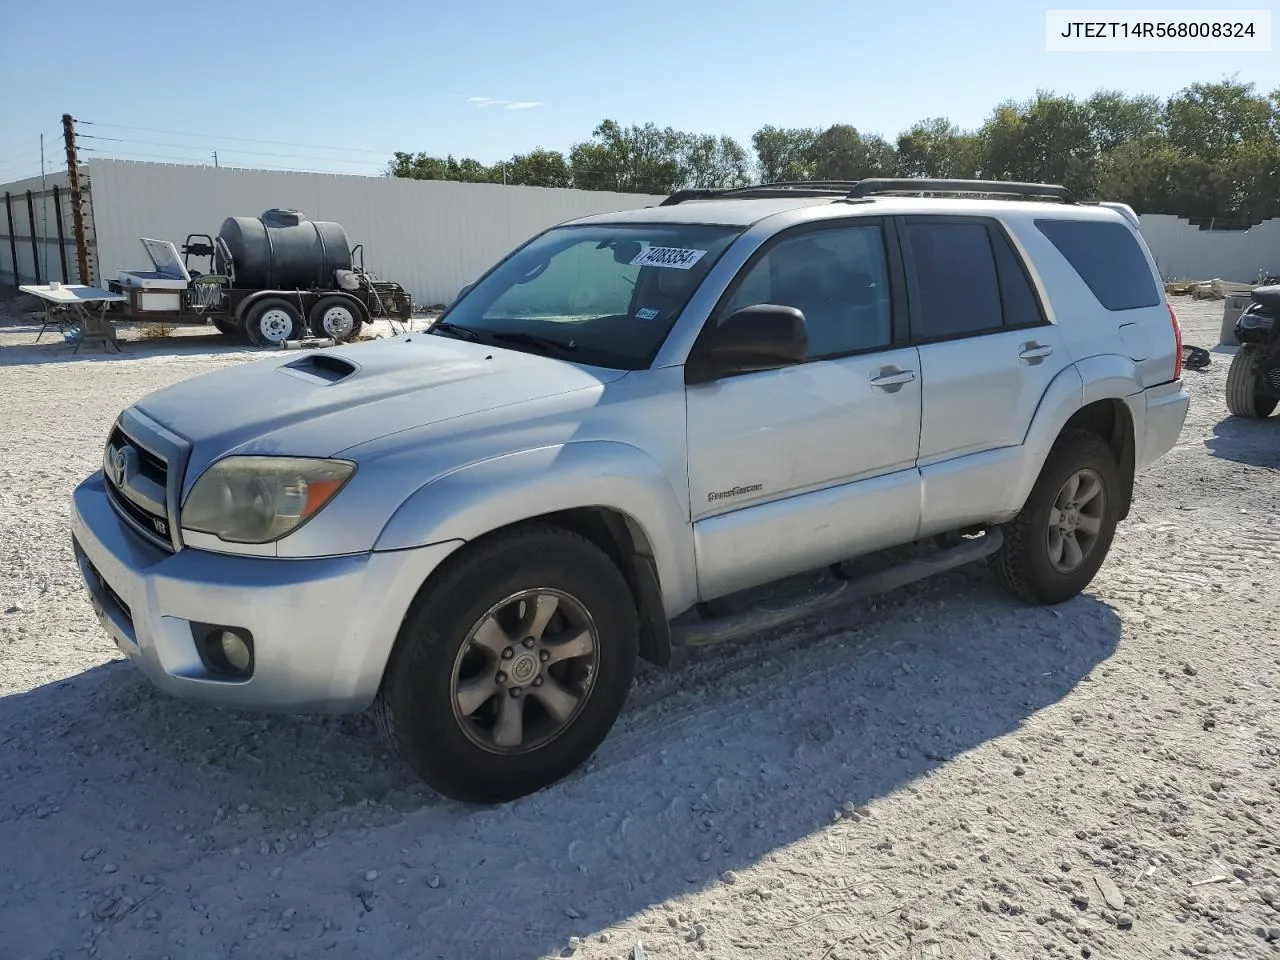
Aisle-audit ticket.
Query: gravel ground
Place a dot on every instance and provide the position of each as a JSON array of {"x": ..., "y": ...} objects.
[{"x": 940, "y": 773}]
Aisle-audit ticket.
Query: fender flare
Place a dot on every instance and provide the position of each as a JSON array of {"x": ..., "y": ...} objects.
[
  {"x": 1102, "y": 377},
  {"x": 489, "y": 495},
  {"x": 294, "y": 297}
]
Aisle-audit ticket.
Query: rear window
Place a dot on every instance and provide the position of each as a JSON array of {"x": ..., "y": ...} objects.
[{"x": 1107, "y": 258}]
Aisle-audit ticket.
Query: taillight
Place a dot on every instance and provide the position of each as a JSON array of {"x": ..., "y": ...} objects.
[{"x": 1177, "y": 344}]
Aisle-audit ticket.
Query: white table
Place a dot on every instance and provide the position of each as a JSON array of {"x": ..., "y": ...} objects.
[{"x": 95, "y": 329}]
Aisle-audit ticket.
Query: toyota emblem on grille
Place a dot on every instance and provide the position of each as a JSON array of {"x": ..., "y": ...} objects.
[{"x": 119, "y": 468}]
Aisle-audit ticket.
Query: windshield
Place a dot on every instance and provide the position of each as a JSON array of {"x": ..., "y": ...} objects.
[{"x": 605, "y": 295}]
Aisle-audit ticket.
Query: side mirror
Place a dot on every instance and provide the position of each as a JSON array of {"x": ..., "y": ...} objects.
[
  {"x": 760, "y": 337},
  {"x": 463, "y": 292}
]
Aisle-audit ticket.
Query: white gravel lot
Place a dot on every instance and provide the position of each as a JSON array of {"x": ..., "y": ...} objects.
[{"x": 940, "y": 773}]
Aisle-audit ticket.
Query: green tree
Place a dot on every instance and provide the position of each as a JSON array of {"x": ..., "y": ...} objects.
[
  {"x": 420, "y": 166},
  {"x": 1142, "y": 173},
  {"x": 841, "y": 153},
  {"x": 1207, "y": 120},
  {"x": 1248, "y": 180},
  {"x": 1117, "y": 119},
  {"x": 1046, "y": 140},
  {"x": 783, "y": 154},
  {"x": 837, "y": 153},
  {"x": 1212, "y": 150},
  {"x": 636, "y": 159},
  {"x": 938, "y": 148},
  {"x": 880, "y": 156},
  {"x": 711, "y": 162},
  {"x": 538, "y": 168}
]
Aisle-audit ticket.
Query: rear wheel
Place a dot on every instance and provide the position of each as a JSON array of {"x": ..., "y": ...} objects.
[
  {"x": 512, "y": 666},
  {"x": 336, "y": 317},
  {"x": 1243, "y": 396},
  {"x": 272, "y": 321},
  {"x": 1054, "y": 547}
]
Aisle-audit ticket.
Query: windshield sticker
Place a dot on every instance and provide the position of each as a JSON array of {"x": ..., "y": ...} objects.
[
  {"x": 675, "y": 257},
  {"x": 646, "y": 313}
]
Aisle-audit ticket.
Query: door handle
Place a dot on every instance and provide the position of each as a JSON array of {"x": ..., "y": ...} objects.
[
  {"x": 891, "y": 378},
  {"x": 1034, "y": 352}
]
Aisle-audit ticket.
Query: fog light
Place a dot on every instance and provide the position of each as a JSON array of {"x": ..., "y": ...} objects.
[
  {"x": 235, "y": 650},
  {"x": 224, "y": 650}
]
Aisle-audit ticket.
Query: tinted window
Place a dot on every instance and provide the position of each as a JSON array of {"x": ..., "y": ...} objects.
[
  {"x": 608, "y": 293},
  {"x": 836, "y": 277},
  {"x": 1021, "y": 306},
  {"x": 1107, "y": 258},
  {"x": 596, "y": 284},
  {"x": 956, "y": 279}
]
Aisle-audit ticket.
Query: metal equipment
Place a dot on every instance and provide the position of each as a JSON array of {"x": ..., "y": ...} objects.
[
  {"x": 1253, "y": 381},
  {"x": 270, "y": 280}
]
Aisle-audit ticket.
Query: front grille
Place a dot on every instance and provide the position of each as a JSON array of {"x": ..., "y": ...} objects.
[
  {"x": 142, "y": 520},
  {"x": 1273, "y": 379},
  {"x": 151, "y": 525}
]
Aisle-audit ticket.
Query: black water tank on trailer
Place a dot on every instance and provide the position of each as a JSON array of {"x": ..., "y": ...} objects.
[{"x": 283, "y": 250}]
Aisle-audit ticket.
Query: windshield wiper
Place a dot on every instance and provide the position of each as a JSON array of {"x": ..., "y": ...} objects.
[
  {"x": 546, "y": 344},
  {"x": 445, "y": 327}
]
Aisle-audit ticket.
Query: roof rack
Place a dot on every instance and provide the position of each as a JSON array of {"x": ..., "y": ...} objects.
[
  {"x": 878, "y": 186},
  {"x": 866, "y": 189},
  {"x": 780, "y": 188}
]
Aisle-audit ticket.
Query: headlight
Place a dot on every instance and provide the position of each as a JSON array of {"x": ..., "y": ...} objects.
[{"x": 260, "y": 499}]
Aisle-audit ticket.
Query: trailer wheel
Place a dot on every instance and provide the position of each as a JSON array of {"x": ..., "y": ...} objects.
[
  {"x": 228, "y": 328},
  {"x": 272, "y": 321},
  {"x": 336, "y": 317}
]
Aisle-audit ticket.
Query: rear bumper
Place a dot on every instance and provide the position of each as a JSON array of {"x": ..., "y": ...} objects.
[
  {"x": 1166, "y": 412},
  {"x": 322, "y": 629}
]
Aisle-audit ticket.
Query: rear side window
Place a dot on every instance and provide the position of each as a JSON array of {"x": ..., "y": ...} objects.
[
  {"x": 956, "y": 279},
  {"x": 1021, "y": 305},
  {"x": 1107, "y": 258}
]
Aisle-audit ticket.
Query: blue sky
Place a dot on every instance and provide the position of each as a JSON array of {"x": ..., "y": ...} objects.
[{"x": 371, "y": 78}]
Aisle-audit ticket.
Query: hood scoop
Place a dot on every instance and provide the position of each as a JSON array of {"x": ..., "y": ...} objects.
[{"x": 320, "y": 367}]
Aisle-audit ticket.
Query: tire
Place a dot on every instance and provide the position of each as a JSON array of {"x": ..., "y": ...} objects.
[
  {"x": 459, "y": 753},
  {"x": 229, "y": 328},
  {"x": 338, "y": 317},
  {"x": 1025, "y": 565},
  {"x": 271, "y": 321},
  {"x": 1243, "y": 398}
]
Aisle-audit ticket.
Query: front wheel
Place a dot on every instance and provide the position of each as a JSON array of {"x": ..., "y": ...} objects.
[
  {"x": 1055, "y": 546},
  {"x": 512, "y": 666},
  {"x": 1243, "y": 396}
]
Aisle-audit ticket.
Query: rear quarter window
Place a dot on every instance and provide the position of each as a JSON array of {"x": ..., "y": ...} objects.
[{"x": 1107, "y": 258}]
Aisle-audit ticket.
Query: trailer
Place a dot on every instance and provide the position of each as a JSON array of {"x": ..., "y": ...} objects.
[{"x": 269, "y": 279}]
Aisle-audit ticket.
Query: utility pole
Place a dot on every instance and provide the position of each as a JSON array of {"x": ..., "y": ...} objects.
[
  {"x": 215, "y": 159},
  {"x": 44, "y": 212},
  {"x": 77, "y": 198}
]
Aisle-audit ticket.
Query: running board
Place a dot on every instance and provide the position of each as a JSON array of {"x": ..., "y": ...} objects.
[{"x": 705, "y": 633}]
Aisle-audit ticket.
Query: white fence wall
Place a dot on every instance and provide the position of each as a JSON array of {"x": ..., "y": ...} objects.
[
  {"x": 431, "y": 236},
  {"x": 1185, "y": 252},
  {"x": 46, "y": 231}
]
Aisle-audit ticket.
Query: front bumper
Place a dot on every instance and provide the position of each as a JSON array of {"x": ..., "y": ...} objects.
[{"x": 323, "y": 628}]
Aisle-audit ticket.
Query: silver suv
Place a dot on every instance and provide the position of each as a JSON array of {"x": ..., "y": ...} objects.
[{"x": 618, "y": 430}]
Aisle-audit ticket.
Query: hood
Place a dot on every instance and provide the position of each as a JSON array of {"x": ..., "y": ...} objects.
[{"x": 321, "y": 402}]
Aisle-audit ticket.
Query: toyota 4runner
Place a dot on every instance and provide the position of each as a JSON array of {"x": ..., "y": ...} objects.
[{"x": 623, "y": 426}]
